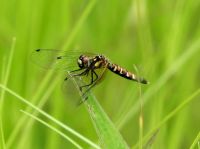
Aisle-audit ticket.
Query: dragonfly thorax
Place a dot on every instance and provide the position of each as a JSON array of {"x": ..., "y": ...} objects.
[{"x": 95, "y": 62}]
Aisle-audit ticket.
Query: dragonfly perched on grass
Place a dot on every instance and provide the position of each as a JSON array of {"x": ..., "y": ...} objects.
[{"x": 79, "y": 65}]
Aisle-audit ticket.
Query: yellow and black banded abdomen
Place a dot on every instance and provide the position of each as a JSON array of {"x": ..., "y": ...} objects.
[{"x": 125, "y": 73}]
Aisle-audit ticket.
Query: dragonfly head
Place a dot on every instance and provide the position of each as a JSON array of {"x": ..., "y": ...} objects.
[{"x": 83, "y": 61}]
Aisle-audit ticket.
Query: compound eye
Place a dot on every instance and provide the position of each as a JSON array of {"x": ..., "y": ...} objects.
[{"x": 80, "y": 63}]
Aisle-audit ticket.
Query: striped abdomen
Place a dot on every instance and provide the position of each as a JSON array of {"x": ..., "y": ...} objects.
[{"x": 125, "y": 73}]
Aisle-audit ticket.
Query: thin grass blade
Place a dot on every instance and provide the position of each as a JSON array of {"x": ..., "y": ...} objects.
[
  {"x": 170, "y": 115},
  {"x": 53, "y": 128},
  {"x": 196, "y": 142},
  {"x": 50, "y": 117}
]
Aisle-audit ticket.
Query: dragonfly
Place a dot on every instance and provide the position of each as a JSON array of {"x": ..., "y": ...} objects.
[{"x": 82, "y": 64}]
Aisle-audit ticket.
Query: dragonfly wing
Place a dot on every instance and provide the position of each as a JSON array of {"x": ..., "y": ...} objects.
[
  {"x": 56, "y": 59},
  {"x": 71, "y": 89}
]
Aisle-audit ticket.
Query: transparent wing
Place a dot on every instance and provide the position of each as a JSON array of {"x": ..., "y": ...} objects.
[
  {"x": 56, "y": 59},
  {"x": 71, "y": 90}
]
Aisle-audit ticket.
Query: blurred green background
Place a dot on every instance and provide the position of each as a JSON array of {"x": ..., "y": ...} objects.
[{"x": 162, "y": 38}]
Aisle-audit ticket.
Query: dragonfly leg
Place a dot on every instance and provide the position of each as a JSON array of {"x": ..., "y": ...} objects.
[
  {"x": 84, "y": 95},
  {"x": 80, "y": 74},
  {"x": 95, "y": 75},
  {"x": 92, "y": 80},
  {"x": 76, "y": 70},
  {"x": 93, "y": 84}
]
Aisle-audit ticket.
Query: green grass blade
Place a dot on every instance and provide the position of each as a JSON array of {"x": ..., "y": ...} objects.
[
  {"x": 141, "y": 118},
  {"x": 49, "y": 117},
  {"x": 171, "y": 114},
  {"x": 53, "y": 128},
  {"x": 196, "y": 141},
  {"x": 109, "y": 136},
  {"x": 5, "y": 77},
  {"x": 2, "y": 144},
  {"x": 185, "y": 57},
  {"x": 43, "y": 100}
]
